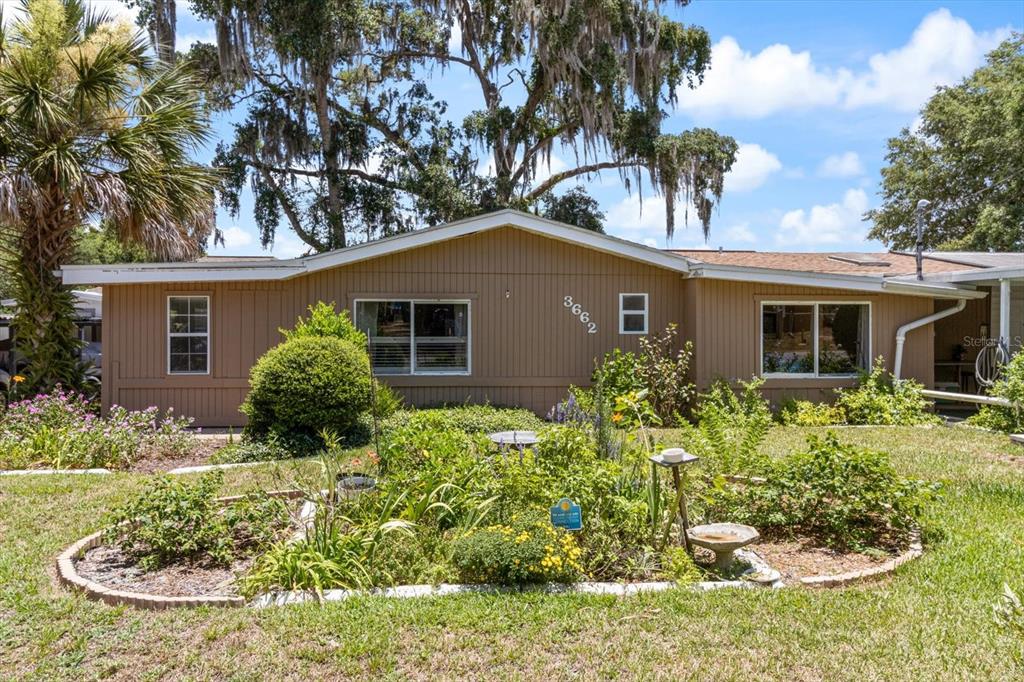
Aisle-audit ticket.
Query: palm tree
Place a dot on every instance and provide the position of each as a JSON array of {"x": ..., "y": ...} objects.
[{"x": 92, "y": 128}]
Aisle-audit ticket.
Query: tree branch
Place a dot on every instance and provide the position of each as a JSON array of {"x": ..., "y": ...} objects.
[
  {"x": 574, "y": 172},
  {"x": 291, "y": 213}
]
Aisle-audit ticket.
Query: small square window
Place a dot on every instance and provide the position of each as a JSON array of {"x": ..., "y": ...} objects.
[{"x": 632, "y": 313}]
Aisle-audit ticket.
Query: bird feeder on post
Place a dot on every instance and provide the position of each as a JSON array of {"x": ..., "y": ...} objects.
[{"x": 674, "y": 459}]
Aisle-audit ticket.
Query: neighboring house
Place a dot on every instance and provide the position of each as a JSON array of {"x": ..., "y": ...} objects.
[
  {"x": 512, "y": 309},
  {"x": 88, "y": 320}
]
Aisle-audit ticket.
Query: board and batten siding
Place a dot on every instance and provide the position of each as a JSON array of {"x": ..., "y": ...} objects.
[
  {"x": 727, "y": 334},
  {"x": 526, "y": 346}
]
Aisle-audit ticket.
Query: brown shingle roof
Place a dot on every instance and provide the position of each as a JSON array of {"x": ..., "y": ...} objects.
[{"x": 844, "y": 263}]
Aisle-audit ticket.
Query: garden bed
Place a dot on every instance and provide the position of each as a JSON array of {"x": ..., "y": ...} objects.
[{"x": 111, "y": 567}]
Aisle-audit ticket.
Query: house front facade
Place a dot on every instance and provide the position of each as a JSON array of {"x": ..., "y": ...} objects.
[{"x": 505, "y": 308}]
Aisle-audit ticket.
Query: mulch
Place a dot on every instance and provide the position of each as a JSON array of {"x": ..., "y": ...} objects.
[
  {"x": 803, "y": 557},
  {"x": 155, "y": 461},
  {"x": 111, "y": 567}
]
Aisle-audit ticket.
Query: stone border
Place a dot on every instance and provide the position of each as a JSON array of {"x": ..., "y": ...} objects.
[
  {"x": 68, "y": 575},
  {"x": 843, "y": 579},
  {"x": 51, "y": 472}
]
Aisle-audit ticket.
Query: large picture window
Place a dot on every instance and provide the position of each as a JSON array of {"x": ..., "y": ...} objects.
[
  {"x": 188, "y": 334},
  {"x": 416, "y": 337},
  {"x": 815, "y": 339}
]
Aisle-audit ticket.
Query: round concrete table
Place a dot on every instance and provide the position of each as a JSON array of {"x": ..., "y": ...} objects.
[{"x": 517, "y": 439}]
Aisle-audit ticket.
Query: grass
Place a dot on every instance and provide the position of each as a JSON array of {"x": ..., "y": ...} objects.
[{"x": 933, "y": 619}]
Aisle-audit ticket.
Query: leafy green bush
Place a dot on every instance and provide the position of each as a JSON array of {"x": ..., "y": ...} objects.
[
  {"x": 305, "y": 385},
  {"x": 806, "y": 413},
  {"x": 172, "y": 520},
  {"x": 325, "y": 321},
  {"x": 843, "y": 495},
  {"x": 658, "y": 370},
  {"x": 527, "y": 550},
  {"x": 881, "y": 401},
  {"x": 1010, "y": 386}
]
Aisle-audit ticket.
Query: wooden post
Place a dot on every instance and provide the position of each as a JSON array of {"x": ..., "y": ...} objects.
[{"x": 684, "y": 520}]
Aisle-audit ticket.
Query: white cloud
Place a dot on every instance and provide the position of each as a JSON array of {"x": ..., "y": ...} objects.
[
  {"x": 744, "y": 85},
  {"x": 741, "y": 84},
  {"x": 635, "y": 219},
  {"x": 740, "y": 233},
  {"x": 830, "y": 224},
  {"x": 942, "y": 50},
  {"x": 845, "y": 165},
  {"x": 236, "y": 238},
  {"x": 183, "y": 41},
  {"x": 752, "y": 167}
]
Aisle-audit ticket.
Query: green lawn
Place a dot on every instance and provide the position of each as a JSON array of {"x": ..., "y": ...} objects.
[{"x": 933, "y": 620}]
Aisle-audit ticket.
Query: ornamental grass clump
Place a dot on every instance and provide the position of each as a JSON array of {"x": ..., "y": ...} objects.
[{"x": 62, "y": 430}]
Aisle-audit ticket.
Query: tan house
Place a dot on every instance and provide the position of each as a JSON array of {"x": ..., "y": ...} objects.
[{"x": 511, "y": 308}]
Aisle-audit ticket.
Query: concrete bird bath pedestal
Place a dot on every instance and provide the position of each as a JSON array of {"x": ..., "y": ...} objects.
[{"x": 723, "y": 539}]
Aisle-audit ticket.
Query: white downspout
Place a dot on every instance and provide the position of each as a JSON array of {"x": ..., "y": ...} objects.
[
  {"x": 901, "y": 333},
  {"x": 1004, "y": 314}
]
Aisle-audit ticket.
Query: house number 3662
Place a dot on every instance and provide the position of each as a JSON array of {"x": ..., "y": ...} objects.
[{"x": 582, "y": 314}]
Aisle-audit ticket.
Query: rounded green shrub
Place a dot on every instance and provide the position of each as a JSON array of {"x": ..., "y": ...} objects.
[{"x": 306, "y": 385}]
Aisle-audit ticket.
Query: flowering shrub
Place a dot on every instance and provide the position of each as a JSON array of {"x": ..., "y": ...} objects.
[
  {"x": 528, "y": 550},
  {"x": 62, "y": 430}
]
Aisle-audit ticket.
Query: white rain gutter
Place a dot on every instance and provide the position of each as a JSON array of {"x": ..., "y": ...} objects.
[{"x": 901, "y": 333}]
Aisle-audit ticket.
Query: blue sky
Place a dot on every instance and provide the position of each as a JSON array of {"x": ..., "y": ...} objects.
[{"x": 811, "y": 90}]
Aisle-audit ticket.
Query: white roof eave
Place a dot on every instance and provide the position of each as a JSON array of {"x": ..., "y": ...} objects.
[
  {"x": 867, "y": 283},
  {"x": 286, "y": 269}
]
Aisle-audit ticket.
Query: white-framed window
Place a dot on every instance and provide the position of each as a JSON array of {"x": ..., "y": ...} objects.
[
  {"x": 188, "y": 334},
  {"x": 416, "y": 336},
  {"x": 632, "y": 313},
  {"x": 812, "y": 339}
]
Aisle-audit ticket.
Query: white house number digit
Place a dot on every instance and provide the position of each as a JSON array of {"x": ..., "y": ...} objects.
[{"x": 582, "y": 314}]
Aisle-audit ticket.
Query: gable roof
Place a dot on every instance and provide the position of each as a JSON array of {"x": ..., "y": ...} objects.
[
  {"x": 273, "y": 269},
  {"x": 687, "y": 264}
]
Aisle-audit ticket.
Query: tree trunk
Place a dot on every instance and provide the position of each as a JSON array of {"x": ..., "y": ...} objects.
[
  {"x": 335, "y": 221},
  {"x": 45, "y": 336},
  {"x": 163, "y": 29}
]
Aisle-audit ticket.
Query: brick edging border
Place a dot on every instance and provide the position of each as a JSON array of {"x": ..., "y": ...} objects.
[
  {"x": 842, "y": 579},
  {"x": 68, "y": 576}
]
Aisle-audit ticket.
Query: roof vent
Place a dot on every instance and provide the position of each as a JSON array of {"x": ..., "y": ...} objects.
[{"x": 863, "y": 259}]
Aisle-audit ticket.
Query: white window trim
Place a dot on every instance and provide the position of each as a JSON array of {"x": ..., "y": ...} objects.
[
  {"x": 207, "y": 334},
  {"x": 814, "y": 330},
  {"x": 623, "y": 313},
  {"x": 412, "y": 333}
]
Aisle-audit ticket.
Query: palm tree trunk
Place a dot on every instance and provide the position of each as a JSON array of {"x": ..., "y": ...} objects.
[{"x": 45, "y": 336}]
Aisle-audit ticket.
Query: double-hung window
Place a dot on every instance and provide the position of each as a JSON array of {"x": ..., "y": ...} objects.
[
  {"x": 632, "y": 313},
  {"x": 188, "y": 334},
  {"x": 815, "y": 339},
  {"x": 416, "y": 337}
]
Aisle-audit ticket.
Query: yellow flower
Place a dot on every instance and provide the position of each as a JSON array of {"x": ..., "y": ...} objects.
[
  {"x": 617, "y": 417},
  {"x": 17, "y": 378}
]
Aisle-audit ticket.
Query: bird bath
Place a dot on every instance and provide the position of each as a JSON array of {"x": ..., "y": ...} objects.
[{"x": 723, "y": 539}]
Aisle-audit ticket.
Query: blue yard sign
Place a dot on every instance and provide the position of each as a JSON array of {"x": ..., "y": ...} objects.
[{"x": 567, "y": 514}]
